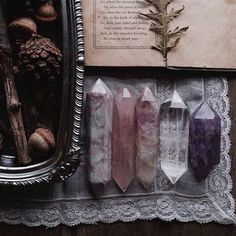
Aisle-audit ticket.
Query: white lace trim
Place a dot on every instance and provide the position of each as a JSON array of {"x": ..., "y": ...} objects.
[{"x": 218, "y": 205}]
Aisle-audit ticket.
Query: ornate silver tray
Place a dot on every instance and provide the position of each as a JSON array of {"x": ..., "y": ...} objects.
[{"x": 67, "y": 155}]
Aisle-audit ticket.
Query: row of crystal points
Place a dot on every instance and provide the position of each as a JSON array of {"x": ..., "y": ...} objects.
[
  {"x": 183, "y": 138},
  {"x": 124, "y": 136}
]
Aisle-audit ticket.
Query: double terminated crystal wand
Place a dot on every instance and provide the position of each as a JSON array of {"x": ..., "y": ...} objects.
[
  {"x": 100, "y": 110},
  {"x": 174, "y": 138},
  {"x": 205, "y": 139}
]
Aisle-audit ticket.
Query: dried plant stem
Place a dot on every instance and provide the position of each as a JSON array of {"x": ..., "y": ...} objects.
[
  {"x": 165, "y": 28},
  {"x": 13, "y": 104},
  {"x": 160, "y": 19}
]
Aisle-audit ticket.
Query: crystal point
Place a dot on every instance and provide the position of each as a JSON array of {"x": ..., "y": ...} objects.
[
  {"x": 148, "y": 96},
  {"x": 177, "y": 101},
  {"x": 125, "y": 93},
  {"x": 147, "y": 138},
  {"x": 99, "y": 87},
  {"x": 174, "y": 136},
  {"x": 173, "y": 173},
  {"x": 205, "y": 138},
  {"x": 100, "y": 109},
  {"x": 123, "y": 139}
]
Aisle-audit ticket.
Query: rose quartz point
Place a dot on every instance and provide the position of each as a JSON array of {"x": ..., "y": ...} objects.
[{"x": 123, "y": 139}]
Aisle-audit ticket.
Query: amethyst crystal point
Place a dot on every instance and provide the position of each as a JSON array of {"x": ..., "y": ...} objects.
[
  {"x": 147, "y": 138},
  {"x": 205, "y": 138},
  {"x": 123, "y": 139},
  {"x": 100, "y": 109},
  {"x": 174, "y": 136}
]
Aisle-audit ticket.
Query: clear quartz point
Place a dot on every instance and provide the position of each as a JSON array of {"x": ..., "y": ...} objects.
[
  {"x": 100, "y": 109},
  {"x": 123, "y": 139},
  {"x": 147, "y": 138},
  {"x": 174, "y": 138}
]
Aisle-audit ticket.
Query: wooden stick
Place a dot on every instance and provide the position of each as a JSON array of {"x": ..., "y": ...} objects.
[{"x": 13, "y": 104}]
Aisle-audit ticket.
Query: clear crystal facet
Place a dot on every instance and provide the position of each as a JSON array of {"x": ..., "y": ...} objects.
[
  {"x": 174, "y": 138},
  {"x": 205, "y": 138},
  {"x": 123, "y": 139},
  {"x": 147, "y": 138},
  {"x": 100, "y": 109}
]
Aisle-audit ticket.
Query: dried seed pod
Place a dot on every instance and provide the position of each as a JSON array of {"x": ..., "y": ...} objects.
[
  {"x": 41, "y": 142},
  {"x": 46, "y": 13},
  {"x": 23, "y": 28},
  {"x": 40, "y": 57}
]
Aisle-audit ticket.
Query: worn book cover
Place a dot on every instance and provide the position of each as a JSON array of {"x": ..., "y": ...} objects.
[{"x": 163, "y": 33}]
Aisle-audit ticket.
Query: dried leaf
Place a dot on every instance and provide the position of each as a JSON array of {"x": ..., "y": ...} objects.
[
  {"x": 157, "y": 47},
  {"x": 160, "y": 19},
  {"x": 173, "y": 14},
  {"x": 153, "y": 16},
  {"x": 177, "y": 32},
  {"x": 173, "y": 44},
  {"x": 168, "y": 2},
  {"x": 156, "y": 28},
  {"x": 155, "y": 4}
]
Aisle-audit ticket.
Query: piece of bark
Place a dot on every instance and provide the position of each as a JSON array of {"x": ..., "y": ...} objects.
[{"x": 13, "y": 104}]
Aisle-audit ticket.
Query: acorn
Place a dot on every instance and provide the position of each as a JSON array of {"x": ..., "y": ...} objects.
[
  {"x": 40, "y": 57},
  {"x": 41, "y": 143},
  {"x": 23, "y": 27},
  {"x": 46, "y": 13}
]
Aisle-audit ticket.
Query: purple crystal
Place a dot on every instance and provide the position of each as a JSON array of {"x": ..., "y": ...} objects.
[{"x": 205, "y": 136}]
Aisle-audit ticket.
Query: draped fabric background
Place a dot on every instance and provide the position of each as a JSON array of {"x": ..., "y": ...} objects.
[{"x": 71, "y": 202}]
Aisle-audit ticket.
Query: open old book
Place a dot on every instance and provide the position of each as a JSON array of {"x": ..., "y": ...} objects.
[{"x": 183, "y": 33}]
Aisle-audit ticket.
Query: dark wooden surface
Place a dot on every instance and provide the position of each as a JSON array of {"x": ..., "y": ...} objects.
[{"x": 142, "y": 228}]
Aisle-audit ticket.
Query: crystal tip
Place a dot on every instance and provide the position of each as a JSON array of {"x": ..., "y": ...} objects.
[
  {"x": 173, "y": 174},
  {"x": 148, "y": 95},
  {"x": 126, "y": 93},
  {"x": 177, "y": 101},
  {"x": 100, "y": 87}
]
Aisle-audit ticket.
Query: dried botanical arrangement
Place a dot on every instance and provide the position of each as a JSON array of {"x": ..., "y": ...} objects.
[
  {"x": 30, "y": 84},
  {"x": 160, "y": 19}
]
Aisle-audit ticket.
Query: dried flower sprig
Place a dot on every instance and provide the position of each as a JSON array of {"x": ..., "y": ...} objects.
[{"x": 160, "y": 19}]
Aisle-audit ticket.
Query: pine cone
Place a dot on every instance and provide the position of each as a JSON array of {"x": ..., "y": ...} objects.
[{"x": 39, "y": 57}]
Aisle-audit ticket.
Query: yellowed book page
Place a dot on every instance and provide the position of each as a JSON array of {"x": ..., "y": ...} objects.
[
  {"x": 115, "y": 35},
  {"x": 210, "y": 41}
]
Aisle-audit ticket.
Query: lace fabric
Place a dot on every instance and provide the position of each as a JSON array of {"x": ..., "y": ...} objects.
[{"x": 70, "y": 203}]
